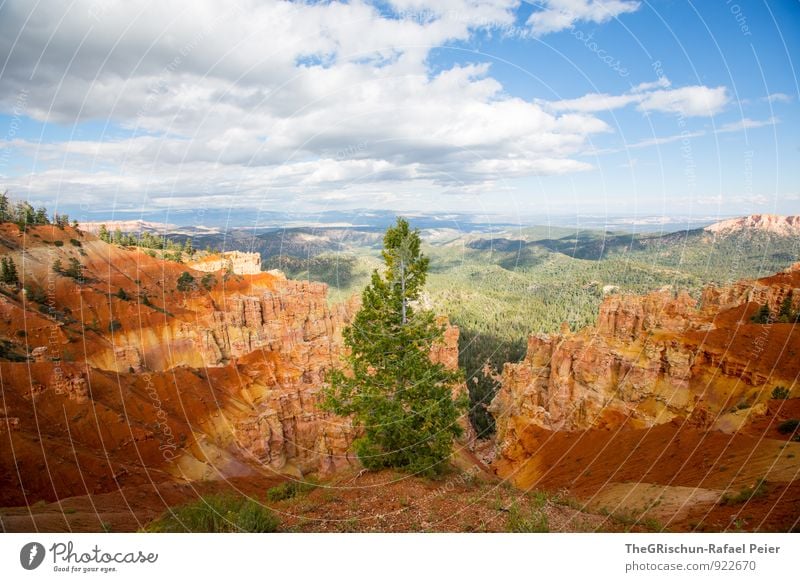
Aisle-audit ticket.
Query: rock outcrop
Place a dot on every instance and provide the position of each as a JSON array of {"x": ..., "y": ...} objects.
[
  {"x": 771, "y": 223},
  {"x": 654, "y": 359},
  {"x": 237, "y": 262},
  {"x": 147, "y": 381}
]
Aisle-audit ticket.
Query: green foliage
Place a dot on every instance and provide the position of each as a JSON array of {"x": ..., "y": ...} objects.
[
  {"x": 114, "y": 325},
  {"x": 780, "y": 393},
  {"x": 103, "y": 234},
  {"x": 746, "y": 494},
  {"x": 786, "y": 314},
  {"x": 74, "y": 269},
  {"x": 399, "y": 398},
  {"x": 186, "y": 282},
  {"x": 8, "y": 271},
  {"x": 35, "y": 293},
  {"x": 788, "y": 426},
  {"x": 763, "y": 315},
  {"x": 532, "y": 521},
  {"x": 58, "y": 243},
  {"x": 208, "y": 281},
  {"x": 75, "y": 242},
  {"x": 217, "y": 514},
  {"x": 122, "y": 294},
  {"x": 337, "y": 270},
  {"x": 21, "y": 213},
  {"x": 290, "y": 489}
]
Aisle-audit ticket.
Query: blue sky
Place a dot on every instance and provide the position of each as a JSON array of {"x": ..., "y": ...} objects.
[{"x": 501, "y": 106}]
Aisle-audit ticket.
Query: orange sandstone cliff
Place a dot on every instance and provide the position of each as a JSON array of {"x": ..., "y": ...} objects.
[
  {"x": 666, "y": 399},
  {"x": 118, "y": 379}
]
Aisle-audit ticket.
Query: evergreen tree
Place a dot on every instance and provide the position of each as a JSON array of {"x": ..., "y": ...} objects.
[
  {"x": 9, "y": 273},
  {"x": 400, "y": 399},
  {"x": 104, "y": 235},
  {"x": 74, "y": 270},
  {"x": 41, "y": 216},
  {"x": 785, "y": 314},
  {"x": 763, "y": 315},
  {"x": 5, "y": 207}
]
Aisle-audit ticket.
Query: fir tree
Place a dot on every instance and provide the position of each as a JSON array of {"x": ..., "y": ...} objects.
[
  {"x": 103, "y": 234},
  {"x": 10, "y": 274},
  {"x": 398, "y": 397},
  {"x": 5, "y": 207}
]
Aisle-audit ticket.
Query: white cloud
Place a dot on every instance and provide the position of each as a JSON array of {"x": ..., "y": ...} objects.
[
  {"x": 272, "y": 99},
  {"x": 695, "y": 100},
  {"x": 747, "y": 123},
  {"x": 778, "y": 98},
  {"x": 558, "y": 15}
]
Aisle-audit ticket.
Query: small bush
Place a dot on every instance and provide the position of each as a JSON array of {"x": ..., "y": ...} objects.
[
  {"x": 114, "y": 325},
  {"x": 788, "y": 426},
  {"x": 75, "y": 242},
  {"x": 289, "y": 489},
  {"x": 58, "y": 243},
  {"x": 186, "y": 282},
  {"x": 35, "y": 294},
  {"x": 780, "y": 393},
  {"x": 208, "y": 281},
  {"x": 122, "y": 294},
  {"x": 535, "y": 521},
  {"x": 746, "y": 494},
  {"x": 217, "y": 514}
]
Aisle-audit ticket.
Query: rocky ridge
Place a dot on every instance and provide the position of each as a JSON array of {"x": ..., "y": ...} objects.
[{"x": 654, "y": 359}]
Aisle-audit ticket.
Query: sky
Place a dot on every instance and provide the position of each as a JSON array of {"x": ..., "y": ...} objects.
[{"x": 112, "y": 109}]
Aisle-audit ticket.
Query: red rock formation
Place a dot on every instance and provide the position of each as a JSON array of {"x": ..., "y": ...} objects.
[
  {"x": 135, "y": 381},
  {"x": 237, "y": 262},
  {"x": 652, "y": 359},
  {"x": 772, "y": 223}
]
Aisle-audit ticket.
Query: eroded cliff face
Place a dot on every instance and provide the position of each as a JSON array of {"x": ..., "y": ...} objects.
[
  {"x": 237, "y": 262},
  {"x": 148, "y": 383},
  {"x": 655, "y": 359}
]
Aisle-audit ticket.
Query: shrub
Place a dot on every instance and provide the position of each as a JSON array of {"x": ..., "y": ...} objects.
[
  {"x": 114, "y": 325},
  {"x": 122, "y": 294},
  {"x": 74, "y": 270},
  {"x": 534, "y": 521},
  {"x": 780, "y": 393},
  {"x": 58, "y": 243},
  {"x": 186, "y": 282},
  {"x": 763, "y": 315},
  {"x": 35, "y": 294},
  {"x": 75, "y": 242},
  {"x": 289, "y": 489},
  {"x": 746, "y": 494},
  {"x": 208, "y": 281},
  {"x": 217, "y": 514},
  {"x": 788, "y": 426}
]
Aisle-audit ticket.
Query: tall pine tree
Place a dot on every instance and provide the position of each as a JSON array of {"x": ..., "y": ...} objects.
[{"x": 400, "y": 400}]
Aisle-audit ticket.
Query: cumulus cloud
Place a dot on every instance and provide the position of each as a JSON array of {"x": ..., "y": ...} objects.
[
  {"x": 557, "y": 15},
  {"x": 260, "y": 100}
]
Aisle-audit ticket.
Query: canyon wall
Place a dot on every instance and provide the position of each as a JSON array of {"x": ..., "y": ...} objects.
[
  {"x": 654, "y": 359},
  {"x": 237, "y": 262},
  {"x": 147, "y": 382}
]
